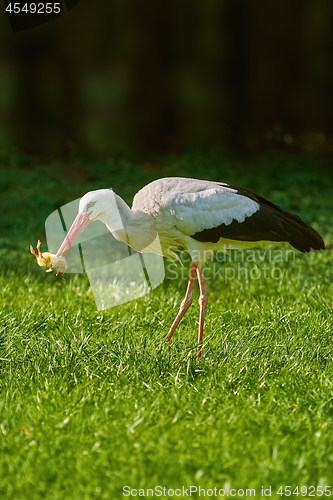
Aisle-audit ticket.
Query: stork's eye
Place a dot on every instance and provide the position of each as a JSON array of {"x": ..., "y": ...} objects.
[{"x": 91, "y": 204}]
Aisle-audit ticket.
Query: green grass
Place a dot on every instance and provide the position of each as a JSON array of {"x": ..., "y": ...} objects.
[{"x": 93, "y": 401}]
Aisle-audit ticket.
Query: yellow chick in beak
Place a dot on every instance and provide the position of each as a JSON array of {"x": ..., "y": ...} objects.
[{"x": 50, "y": 260}]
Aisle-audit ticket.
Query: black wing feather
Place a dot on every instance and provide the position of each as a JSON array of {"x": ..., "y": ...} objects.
[{"x": 269, "y": 223}]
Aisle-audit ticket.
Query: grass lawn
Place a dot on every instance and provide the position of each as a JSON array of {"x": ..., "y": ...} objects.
[{"x": 94, "y": 401}]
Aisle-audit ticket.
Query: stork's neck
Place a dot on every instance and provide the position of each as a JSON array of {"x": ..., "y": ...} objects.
[
  {"x": 127, "y": 225},
  {"x": 131, "y": 217}
]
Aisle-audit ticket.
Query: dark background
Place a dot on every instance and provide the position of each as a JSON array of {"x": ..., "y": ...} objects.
[{"x": 153, "y": 76}]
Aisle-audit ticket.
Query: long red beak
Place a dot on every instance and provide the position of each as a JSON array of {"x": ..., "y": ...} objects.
[{"x": 80, "y": 223}]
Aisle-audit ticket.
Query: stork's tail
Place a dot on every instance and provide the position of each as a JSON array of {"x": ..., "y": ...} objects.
[
  {"x": 269, "y": 223},
  {"x": 299, "y": 234}
]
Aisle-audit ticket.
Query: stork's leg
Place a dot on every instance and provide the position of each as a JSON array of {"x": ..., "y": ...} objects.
[
  {"x": 186, "y": 302},
  {"x": 203, "y": 299}
]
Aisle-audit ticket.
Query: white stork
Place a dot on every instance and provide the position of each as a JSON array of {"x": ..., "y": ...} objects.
[{"x": 198, "y": 216}]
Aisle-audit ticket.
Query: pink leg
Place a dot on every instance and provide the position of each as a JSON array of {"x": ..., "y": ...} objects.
[
  {"x": 203, "y": 299},
  {"x": 186, "y": 302}
]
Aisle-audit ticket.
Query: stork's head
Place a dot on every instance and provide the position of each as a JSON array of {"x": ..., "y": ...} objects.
[
  {"x": 95, "y": 203},
  {"x": 93, "y": 206}
]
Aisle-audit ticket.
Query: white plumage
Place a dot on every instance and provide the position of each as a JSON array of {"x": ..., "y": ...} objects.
[
  {"x": 194, "y": 215},
  {"x": 194, "y": 205}
]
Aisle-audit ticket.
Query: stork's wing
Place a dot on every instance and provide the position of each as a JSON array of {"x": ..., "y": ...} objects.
[
  {"x": 237, "y": 214},
  {"x": 209, "y": 208}
]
